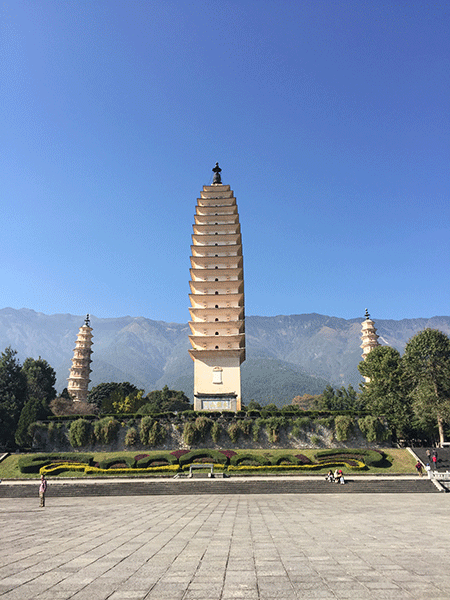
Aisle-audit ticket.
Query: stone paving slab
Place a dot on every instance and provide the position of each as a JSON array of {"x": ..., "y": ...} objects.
[{"x": 222, "y": 547}]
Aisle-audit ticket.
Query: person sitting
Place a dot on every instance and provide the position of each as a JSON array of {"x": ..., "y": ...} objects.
[{"x": 330, "y": 477}]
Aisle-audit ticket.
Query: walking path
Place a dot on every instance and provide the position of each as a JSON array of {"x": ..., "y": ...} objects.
[{"x": 224, "y": 547}]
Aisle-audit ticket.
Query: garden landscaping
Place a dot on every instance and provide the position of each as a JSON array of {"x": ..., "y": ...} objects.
[{"x": 233, "y": 462}]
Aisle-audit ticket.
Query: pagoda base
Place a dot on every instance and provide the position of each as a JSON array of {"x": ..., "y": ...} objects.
[{"x": 216, "y": 402}]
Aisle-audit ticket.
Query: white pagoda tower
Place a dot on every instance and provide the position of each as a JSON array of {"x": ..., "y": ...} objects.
[
  {"x": 217, "y": 299},
  {"x": 79, "y": 373},
  {"x": 369, "y": 336}
]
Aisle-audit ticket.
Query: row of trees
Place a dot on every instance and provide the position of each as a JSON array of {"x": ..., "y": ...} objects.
[
  {"x": 411, "y": 391},
  {"x": 25, "y": 395},
  {"x": 126, "y": 398}
]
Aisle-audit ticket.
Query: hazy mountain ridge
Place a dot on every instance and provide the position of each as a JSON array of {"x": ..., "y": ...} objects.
[{"x": 286, "y": 355}]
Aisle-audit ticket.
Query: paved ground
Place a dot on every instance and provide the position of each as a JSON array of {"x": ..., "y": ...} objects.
[{"x": 375, "y": 546}]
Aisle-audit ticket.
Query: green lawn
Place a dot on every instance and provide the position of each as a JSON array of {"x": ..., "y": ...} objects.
[{"x": 399, "y": 461}]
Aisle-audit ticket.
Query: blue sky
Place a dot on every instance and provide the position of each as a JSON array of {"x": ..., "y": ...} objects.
[{"x": 330, "y": 120}]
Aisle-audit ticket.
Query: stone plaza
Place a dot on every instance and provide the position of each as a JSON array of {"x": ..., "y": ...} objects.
[{"x": 265, "y": 547}]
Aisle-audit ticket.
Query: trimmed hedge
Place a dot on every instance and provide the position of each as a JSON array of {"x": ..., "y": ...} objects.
[
  {"x": 148, "y": 470},
  {"x": 249, "y": 457},
  {"x": 53, "y": 469},
  {"x": 56, "y": 469},
  {"x": 360, "y": 466},
  {"x": 212, "y": 456},
  {"x": 148, "y": 460},
  {"x": 128, "y": 460},
  {"x": 80, "y": 433},
  {"x": 32, "y": 464},
  {"x": 288, "y": 458},
  {"x": 372, "y": 458}
]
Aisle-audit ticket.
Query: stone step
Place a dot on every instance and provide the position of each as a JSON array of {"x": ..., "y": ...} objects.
[
  {"x": 443, "y": 456},
  {"x": 219, "y": 486}
]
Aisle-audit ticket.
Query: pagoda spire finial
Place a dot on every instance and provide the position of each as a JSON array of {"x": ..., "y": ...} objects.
[
  {"x": 217, "y": 170},
  {"x": 87, "y": 320},
  {"x": 367, "y": 314}
]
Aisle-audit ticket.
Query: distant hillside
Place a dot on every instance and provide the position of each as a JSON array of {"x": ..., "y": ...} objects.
[{"x": 287, "y": 356}]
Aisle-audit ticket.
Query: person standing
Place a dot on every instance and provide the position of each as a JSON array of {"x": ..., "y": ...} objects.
[
  {"x": 42, "y": 490},
  {"x": 419, "y": 467}
]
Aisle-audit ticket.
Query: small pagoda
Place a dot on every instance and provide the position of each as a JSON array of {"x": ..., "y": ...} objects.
[
  {"x": 81, "y": 362},
  {"x": 369, "y": 336}
]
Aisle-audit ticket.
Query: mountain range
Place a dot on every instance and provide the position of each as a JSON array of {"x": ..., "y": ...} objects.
[{"x": 287, "y": 356}]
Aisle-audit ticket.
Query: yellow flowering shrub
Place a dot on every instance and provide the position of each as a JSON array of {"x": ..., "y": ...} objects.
[
  {"x": 55, "y": 469},
  {"x": 274, "y": 468}
]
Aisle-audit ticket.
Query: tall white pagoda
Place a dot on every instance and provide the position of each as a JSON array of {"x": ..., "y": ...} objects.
[
  {"x": 217, "y": 299},
  {"x": 81, "y": 364}
]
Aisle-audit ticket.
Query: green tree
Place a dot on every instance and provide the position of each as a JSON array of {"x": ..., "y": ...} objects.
[
  {"x": 105, "y": 394},
  {"x": 41, "y": 379},
  {"x": 427, "y": 369},
  {"x": 33, "y": 410},
  {"x": 166, "y": 400},
  {"x": 130, "y": 404},
  {"x": 253, "y": 405},
  {"x": 339, "y": 399},
  {"x": 305, "y": 402},
  {"x": 13, "y": 395},
  {"x": 386, "y": 393}
]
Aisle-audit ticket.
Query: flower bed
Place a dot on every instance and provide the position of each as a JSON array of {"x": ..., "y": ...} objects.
[
  {"x": 33, "y": 464},
  {"x": 196, "y": 456},
  {"x": 359, "y": 466},
  {"x": 56, "y": 469}
]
